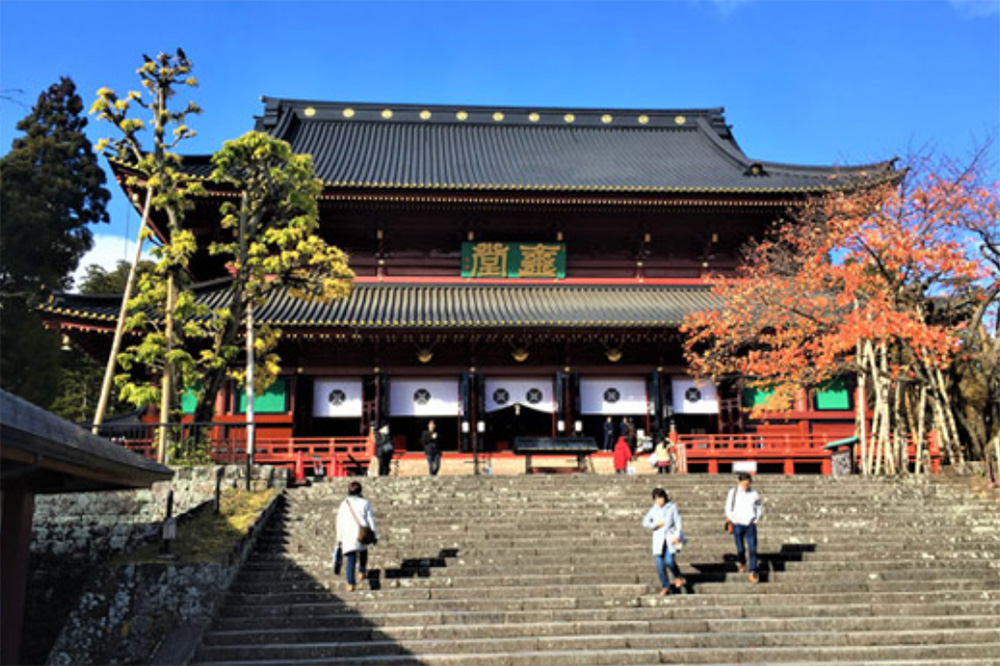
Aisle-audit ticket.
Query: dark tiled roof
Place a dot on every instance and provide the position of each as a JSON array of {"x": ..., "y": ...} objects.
[
  {"x": 370, "y": 146},
  {"x": 87, "y": 462},
  {"x": 450, "y": 306}
]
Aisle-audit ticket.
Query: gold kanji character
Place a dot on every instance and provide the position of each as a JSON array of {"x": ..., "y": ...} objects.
[
  {"x": 489, "y": 260},
  {"x": 539, "y": 260}
]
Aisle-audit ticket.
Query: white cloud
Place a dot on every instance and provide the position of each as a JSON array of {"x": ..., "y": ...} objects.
[
  {"x": 108, "y": 250},
  {"x": 976, "y": 8}
]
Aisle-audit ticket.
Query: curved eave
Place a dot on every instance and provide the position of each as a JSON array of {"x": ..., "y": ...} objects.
[{"x": 836, "y": 181}]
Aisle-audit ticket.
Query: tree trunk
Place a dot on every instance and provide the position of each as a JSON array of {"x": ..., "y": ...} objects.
[{"x": 166, "y": 385}]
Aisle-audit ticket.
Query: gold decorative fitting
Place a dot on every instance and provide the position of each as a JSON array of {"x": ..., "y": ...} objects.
[
  {"x": 606, "y": 118},
  {"x": 498, "y": 116},
  {"x": 643, "y": 119},
  {"x": 348, "y": 112},
  {"x": 520, "y": 354},
  {"x": 387, "y": 113},
  {"x": 534, "y": 117},
  {"x": 680, "y": 120},
  {"x": 425, "y": 115},
  {"x": 614, "y": 354},
  {"x": 462, "y": 115},
  {"x": 309, "y": 111},
  {"x": 569, "y": 117}
]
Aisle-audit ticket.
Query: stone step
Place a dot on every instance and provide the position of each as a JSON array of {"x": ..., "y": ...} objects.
[
  {"x": 742, "y": 642},
  {"x": 343, "y": 616},
  {"x": 948, "y": 655},
  {"x": 368, "y": 603},
  {"x": 472, "y": 584},
  {"x": 635, "y": 556},
  {"x": 566, "y": 595},
  {"x": 424, "y": 568},
  {"x": 344, "y": 634}
]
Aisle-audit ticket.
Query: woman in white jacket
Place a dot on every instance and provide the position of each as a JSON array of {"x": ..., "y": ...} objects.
[
  {"x": 354, "y": 513},
  {"x": 664, "y": 519}
]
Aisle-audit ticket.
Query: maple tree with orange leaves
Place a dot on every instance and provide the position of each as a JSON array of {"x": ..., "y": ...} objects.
[{"x": 895, "y": 284}]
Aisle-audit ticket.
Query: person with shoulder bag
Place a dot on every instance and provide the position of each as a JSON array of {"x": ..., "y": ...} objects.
[
  {"x": 355, "y": 532},
  {"x": 664, "y": 519},
  {"x": 743, "y": 512}
]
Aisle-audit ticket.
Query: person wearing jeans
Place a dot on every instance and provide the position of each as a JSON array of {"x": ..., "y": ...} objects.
[
  {"x": 432, "y": 450},
  {"x": 354, "y": 513},
  {"x": 664, "y": 520},
  {"x": 743, "y": 512}
]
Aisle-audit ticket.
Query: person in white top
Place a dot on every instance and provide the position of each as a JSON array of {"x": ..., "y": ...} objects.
[
  {"x": 664, "y": 519},
  {"x": 353, "y": 515},
  {"x": 743, "y": 512}
]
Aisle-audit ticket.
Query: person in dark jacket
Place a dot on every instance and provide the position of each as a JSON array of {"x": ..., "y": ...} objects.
[
  {"x": 384, "y": 451},
  {"x": 609, "y": 434},
  {"x": 429, "y": 440}
]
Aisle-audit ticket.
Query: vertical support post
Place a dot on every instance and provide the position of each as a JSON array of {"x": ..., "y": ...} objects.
[
  {"x": 250, "y": 395},
  {"x": 18, "y": 511},
  {"x": 166, "y": 535},
  {"x": 789, "y": 466},
  {"x": 217, "y": 501}
]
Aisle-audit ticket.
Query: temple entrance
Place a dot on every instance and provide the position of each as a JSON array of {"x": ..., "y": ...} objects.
[
  {"x": 503, "y": 425},
  {"x": 518, "y": 407},
  {"x": 406, "y": 430}
]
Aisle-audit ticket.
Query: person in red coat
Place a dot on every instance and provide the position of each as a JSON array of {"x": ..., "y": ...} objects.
[{"x": 623, "y": 454}]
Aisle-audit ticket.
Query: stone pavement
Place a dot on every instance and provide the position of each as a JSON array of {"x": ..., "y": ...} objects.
[{"x": 555, "y": 570}]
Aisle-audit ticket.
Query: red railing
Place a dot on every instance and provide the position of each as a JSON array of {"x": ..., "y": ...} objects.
[
  {"x": 230, "y": 448},
  {"x": 785, "y": 448}
]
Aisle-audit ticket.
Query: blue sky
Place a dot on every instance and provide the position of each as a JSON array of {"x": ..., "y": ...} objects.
[{"x": 802, "y": 82}]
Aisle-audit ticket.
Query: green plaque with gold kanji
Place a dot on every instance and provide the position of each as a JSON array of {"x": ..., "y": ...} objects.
[{"x": 514, "y": 260}]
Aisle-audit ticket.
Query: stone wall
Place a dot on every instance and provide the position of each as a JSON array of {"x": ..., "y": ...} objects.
[
  {"x": 126, "y": 612},
  {"x": 74, "y": 532}
]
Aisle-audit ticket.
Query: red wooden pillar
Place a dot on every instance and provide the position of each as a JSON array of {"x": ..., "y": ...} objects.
[
  {"x": 713, "y": 466},
  {"x": 789, "y": 467},
  {"x": 827, "y": 467},
  {"x": 15, "y": 542}
]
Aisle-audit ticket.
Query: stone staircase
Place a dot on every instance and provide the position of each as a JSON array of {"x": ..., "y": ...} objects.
[{"x": 555, "y": 570}]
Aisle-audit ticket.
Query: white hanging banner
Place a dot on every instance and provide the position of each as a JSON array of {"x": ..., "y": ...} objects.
[
  {"x": 423, "y": 397},
  {"x": 613, "y": 396},
  {"x": 531, "y": 392},
  {"x": 337, "y": 397},
  {"x": 694, "y": 396}
]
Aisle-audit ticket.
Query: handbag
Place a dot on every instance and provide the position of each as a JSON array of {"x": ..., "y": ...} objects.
[
  {"x": 366, "y": 535},
  {"x": 732, "y": 507}
]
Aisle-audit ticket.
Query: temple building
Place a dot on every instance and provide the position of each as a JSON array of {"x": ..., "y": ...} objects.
[{"x": 520, "y": 271}]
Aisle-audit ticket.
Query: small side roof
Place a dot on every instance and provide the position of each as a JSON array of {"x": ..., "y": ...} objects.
[{"x": 43, "y": 453}]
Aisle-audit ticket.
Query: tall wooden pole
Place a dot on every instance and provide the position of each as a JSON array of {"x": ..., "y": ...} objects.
[
  {"x": 251, "y": 431},
  {"x": 167, "y": 381},
  {"x": 109, "y": 369}
]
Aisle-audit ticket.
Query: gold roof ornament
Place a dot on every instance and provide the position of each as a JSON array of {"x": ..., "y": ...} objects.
[
  {"x": 680, "y": 120},
  {"x": 462, "y": 115},
  {"x": 643, "y": 119},
  {"x": 425, "y": 115},
  {"x": 569, "y": 117},
  {"x": 607, "y": 118},
  {"x": 498, "y": 116},
  {"x": 534, "y": 117},
  {"x": 387, "y": 113},
  {"x": 309, "y": 111},
  {"x": 348, "y": 112}
]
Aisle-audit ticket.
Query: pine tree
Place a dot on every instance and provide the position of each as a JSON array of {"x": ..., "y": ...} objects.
[{"x": 51, "y": 191}]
